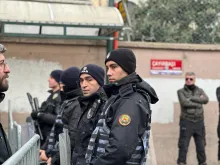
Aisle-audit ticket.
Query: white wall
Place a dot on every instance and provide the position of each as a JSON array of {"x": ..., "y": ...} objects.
[
  {"x": 163, "y": 111},
  {"x": 27, "y": 76}
]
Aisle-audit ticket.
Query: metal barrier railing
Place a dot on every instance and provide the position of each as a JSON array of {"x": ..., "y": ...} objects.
[
  {"x": 64, "y": 148},
  {"x": 13, "y": 130},
  {"x": 28, "y": 154},
  {"x": 18, "y": 135}
]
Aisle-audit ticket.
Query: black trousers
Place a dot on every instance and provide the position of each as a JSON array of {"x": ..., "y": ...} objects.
[
  {"x": 218, "y": 130},
  {"x": 190, "y": 129}
]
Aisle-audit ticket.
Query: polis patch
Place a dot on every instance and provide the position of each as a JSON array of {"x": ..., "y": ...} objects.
[
  {"x": 124, "y": 120},
  {"x": 55, "y": 96}
]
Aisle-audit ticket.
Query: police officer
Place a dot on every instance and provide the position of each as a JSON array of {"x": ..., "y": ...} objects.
[
  {"x": 48, "y": 111},
  {"x": 218, "y": 129},
  {"x": 84, "y": 120},
  {"x": 5, "y": 150},
  {"x": 122, "y": 133},
  {"x": 191, "y": 99},
  {"x": 69, "y": 83}
]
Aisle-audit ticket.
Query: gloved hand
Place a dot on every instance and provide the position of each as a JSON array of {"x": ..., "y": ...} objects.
[
  {"x": 59, "y": 124},
  {"x": 34, "y": 115}
]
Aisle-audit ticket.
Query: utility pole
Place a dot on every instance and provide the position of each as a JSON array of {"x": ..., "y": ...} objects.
[{"x": 109, "y": 42}]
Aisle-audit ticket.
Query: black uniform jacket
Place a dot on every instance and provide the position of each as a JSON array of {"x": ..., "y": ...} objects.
[
  {"x": 49, "y": 111},
  {"x": 83, "y": 122},
  {"x": 5, "y": 149},
  {"x": 131, "y": 102}
]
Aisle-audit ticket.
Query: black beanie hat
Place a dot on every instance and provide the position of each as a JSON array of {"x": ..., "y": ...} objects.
[
  {"x": 70, "y": 79},
  {"x": 125, "y": 58},
  {"x": 95, "y": 71},
  {"x": 56, "y": 75}
]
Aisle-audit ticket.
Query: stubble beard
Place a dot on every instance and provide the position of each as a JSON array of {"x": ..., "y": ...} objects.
[{"x": 4, "y": 84}]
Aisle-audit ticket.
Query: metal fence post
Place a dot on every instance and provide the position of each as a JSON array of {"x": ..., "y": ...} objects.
[
  {"x": 18, "y": 134},
  {"x": 64, "y": 148},
  {"x": 12, "y": 138}
]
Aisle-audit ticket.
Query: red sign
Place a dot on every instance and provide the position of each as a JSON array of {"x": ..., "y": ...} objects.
[{"x": 170, "y": 67}]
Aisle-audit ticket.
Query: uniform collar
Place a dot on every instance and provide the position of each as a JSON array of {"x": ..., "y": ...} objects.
[
  {"x": 113, "y": 89},
  {"x": 99, "y": 94},
  {"x": 74, "y": 93},
  {"x": 51, "y": 91},
  {"x": 190, "y": 89},
  {"x": 131, "y": 78}
]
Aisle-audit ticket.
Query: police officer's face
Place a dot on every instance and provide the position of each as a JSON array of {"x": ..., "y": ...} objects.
[
  {"x": 52, "y": 83},
  {"x": 88, "y": 84},
  {"x": 114, "y": 71},
  {"x": 4, "y": 71},
  {"x": 190, "y": 79}
]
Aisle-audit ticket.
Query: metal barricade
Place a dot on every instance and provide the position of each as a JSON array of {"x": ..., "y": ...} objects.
[
  {"x": 13, "y": 130},
  {"x": 18, "y": 135},
  {"x": 27, "y": 132},
  {"x": 28, "y": 154},
  {"x": 64, "y": 148}
]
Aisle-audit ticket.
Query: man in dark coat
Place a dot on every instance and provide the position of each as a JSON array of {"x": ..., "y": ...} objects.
[
  {"x": 122, "y": 134},
  {"x": 81, "y": 120},
  {"x": 70, "y": 91},
  {"x": 192, "y": 98},
  {"x": 5, "y": 150},
  {"x": 49, "y": 109},
  {"x": 84, "y": 120}
]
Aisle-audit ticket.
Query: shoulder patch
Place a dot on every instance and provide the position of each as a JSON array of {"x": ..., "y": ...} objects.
[
  {"x": 124, "y": 120},
  {"x": 55, "y": 96}
]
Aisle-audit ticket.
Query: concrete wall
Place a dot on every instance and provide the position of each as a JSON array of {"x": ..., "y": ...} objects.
[
  {"x": 31, "y": 65},
  {"x": 27, "y": 76}
]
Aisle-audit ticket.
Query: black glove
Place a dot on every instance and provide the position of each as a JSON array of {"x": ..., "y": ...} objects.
[
  {"x": 34, "y": 115},
  {"x": 59, "y": 128},
  {"x": 59, "y": 125}
]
